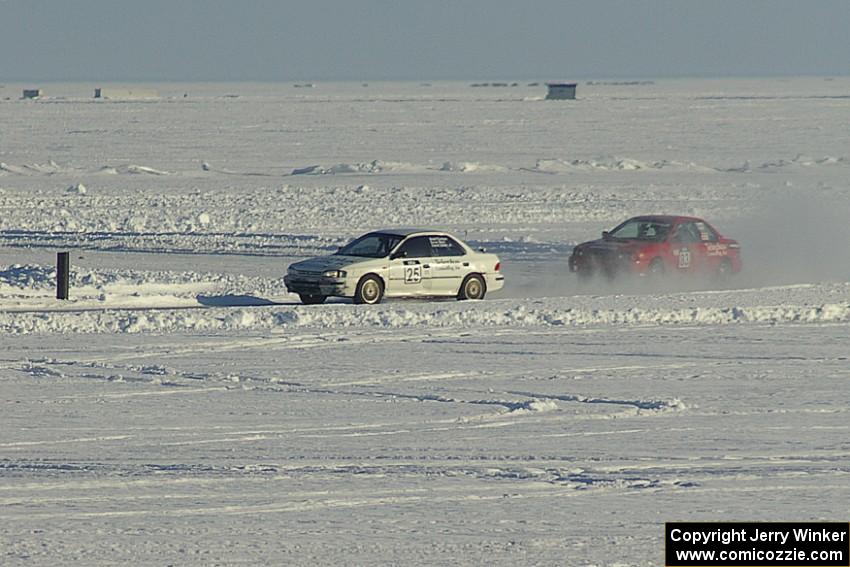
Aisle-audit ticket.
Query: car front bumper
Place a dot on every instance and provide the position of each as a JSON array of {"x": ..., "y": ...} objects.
[
  {"x": 308, "y": 285},
  {"x": 610, "y": 264}
]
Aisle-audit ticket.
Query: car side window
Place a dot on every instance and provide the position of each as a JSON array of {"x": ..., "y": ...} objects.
[
  {"x": 686, "y": 232},
  {"x": 416, "y": 247},
  {"x": 706, "y": 234},
  {"x": 445, "y": 246},
  {"x": 630, "y": 230}
]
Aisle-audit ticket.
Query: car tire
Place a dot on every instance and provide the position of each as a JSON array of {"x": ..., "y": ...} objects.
[
  {"x": 308, "y": 299},
  {"x": 656, "y": 268},
  {"x": 369, "y": 291},
  {"x": 473, "y": 287},
  {"x": 724, "y": 271},
  {"x": 584, "y": 275}
]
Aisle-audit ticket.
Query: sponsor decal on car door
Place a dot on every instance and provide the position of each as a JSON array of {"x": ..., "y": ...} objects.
[
  {"x": 449, "y": 265},
  {"x": 710, "y": 250}
]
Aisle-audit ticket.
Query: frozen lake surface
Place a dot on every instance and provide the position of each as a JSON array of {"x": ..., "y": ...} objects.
[{"x": 182, "y": 408}]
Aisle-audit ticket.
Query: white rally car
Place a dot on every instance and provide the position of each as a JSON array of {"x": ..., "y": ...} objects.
[{"x": 397, "y": 263}]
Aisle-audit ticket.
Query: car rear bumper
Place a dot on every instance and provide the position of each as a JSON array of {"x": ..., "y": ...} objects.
[
  {"x": 495, "y": 281},
  {"x": 735, "y": 265}
]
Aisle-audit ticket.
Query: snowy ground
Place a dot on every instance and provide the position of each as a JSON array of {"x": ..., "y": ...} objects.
[{"x": 183, "y": 409}]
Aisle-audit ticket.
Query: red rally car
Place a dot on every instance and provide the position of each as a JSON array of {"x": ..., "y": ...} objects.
[{"x": 658, "y": 244}]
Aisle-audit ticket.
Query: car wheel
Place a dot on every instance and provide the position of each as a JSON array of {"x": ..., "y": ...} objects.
[
  {"x": 724, "y": 270},
  {"x": 370, "y": 290},
  {"x": 473, "y": 287},
  {"x": 584, "y": 275},
  {"x": 656, "y": 268},
  {"x": 308, "y": 299}
]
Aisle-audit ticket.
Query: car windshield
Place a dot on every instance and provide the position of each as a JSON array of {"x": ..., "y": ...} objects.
[
  {"x": 372, "y": 245},
  {"x": 641, "y": 229}
]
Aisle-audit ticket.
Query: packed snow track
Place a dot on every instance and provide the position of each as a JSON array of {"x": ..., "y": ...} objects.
[{"x": 182, "y": 408}]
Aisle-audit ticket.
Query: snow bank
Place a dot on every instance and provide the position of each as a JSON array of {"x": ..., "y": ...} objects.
[
  {"x": 49, "y": 168},
  {"x": 141, "y": 169},
  {"x": 285, "y": 216},
  {"x": 375, "y": 166},
  {"x": 19, "y": 277},
  {"x": 470, "y": 167},
  {"x": 131, "y": 301},
  {"x": 428, "y": 316},
  {"x": 614, "y": 164},
  {"x": 378, "y": 166},
  {"x": 496, "y": 314},
  {"x": 31, "y": 289},
  {"x": 542, "y": 165},
  {"x": 53, "y": 168},
  {"x": 799, "y": 162},
  {"x": 131, "y": 169}
]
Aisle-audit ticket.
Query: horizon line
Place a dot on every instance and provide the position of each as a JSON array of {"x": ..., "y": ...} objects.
[{"x": 18, "y": 80}]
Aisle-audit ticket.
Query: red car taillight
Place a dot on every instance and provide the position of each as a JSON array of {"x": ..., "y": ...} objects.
[{"x": 498, "y": 266}]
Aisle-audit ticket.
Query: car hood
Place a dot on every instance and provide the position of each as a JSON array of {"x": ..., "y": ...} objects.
[{"x": 333, "y": 262}]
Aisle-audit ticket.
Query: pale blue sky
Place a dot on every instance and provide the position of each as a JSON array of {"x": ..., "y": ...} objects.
[{"x": 187, "y": 40}]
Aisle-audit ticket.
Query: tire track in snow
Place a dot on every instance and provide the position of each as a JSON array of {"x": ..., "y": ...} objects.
[
  {"x": 651, "y": 405},
  {"x": 25, "y": 444},
  {"x": 432, "y": 495},
  {"x": 329, "y": 339},
  {"x": 400, "y": 379}
]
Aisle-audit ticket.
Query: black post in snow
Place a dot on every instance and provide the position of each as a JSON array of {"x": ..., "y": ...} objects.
[{"x": 63, "y": 274}]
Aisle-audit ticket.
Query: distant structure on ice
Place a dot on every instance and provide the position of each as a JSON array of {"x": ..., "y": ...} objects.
[
  {"x": 124, "y": 94},
  {"x": 32, "y": 93},
  {"x": 561, "y": 91}
]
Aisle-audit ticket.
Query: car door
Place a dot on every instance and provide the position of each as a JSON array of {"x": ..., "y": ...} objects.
[
  {"x": 684, "y": 246},
  {"x": 449, "y": 264},
  {"x": 410, "y": 268},
  {"x": 708, "y": 251}
]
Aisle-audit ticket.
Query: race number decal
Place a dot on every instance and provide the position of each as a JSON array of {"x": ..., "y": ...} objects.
[
  {"x": 684, "y": 258},
  {"x": 413, "y": 274}
]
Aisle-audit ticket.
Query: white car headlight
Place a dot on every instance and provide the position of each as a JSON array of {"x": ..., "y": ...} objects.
[{"x": 334, "y": 274}]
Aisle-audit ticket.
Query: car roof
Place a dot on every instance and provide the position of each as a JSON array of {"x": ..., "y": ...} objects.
[
  {"x": 667, "y": 218},
  {"x": 405, "y": 232}
]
